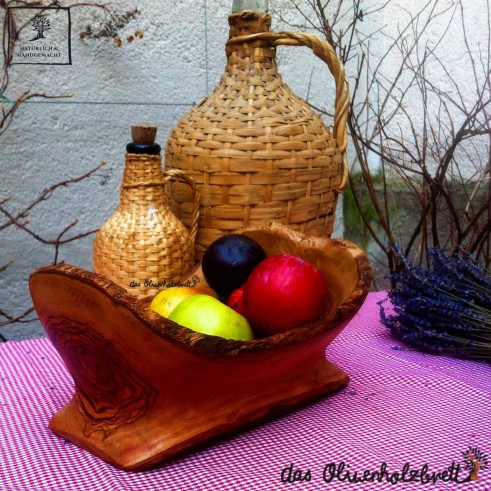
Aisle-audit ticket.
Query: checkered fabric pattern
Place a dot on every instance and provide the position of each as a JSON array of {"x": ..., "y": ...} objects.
[{"x": 401, "y": 406}]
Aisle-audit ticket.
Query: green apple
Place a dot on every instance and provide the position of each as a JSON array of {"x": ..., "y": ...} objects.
[{"x": 207, "y": 315}]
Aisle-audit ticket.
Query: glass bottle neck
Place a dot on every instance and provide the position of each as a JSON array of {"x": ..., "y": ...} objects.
[{"x": 257, "y": 5}]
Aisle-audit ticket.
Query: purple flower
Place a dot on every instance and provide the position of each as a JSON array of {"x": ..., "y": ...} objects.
[{"x": 445, "y": 308}]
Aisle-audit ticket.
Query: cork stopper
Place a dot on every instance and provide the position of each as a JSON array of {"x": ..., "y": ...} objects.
[
  {"x": 143, "y": 133},
  {"x": 143, "y": 136}
]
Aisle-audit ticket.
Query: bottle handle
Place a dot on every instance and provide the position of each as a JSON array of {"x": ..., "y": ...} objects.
[
  {"x": 182, "y": 176},
  {"x": 323, "y": 50}
]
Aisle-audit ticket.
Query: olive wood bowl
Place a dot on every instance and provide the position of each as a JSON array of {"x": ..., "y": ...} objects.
[{"x": 146, "y": 388}]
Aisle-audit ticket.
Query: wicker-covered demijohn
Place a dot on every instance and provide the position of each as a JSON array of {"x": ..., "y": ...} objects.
[
  {"x": 144, "y": 246},
  {"x": 257, "y": 152}
]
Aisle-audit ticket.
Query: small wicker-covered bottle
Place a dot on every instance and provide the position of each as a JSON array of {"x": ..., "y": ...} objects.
[
  {"x": 257, "y": 152},
  {"x": 143, "y": 246}
]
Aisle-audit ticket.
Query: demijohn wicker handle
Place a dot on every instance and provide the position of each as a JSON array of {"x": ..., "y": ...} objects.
[
  {"x": 323, "y": 50},
  {"x": 182, "y": 176}
]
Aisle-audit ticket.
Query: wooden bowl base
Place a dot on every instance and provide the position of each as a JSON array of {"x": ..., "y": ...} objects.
[{"x": 169, "y": 431}]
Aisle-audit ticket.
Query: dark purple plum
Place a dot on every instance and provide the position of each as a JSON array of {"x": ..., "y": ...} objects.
[{"x": 229, "y": 260}]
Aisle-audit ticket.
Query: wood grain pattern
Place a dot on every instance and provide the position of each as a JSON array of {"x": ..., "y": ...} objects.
[{"x": 147, "y": 389}]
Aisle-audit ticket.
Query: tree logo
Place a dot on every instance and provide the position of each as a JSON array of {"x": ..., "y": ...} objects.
[
  {"x": 474, "y": 460},
  {"x": 40, "y": 24},
  {"x": 51, "y": 43}
]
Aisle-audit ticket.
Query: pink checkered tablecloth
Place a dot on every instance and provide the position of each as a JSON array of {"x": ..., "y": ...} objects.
[{"x": 402, "y": 411}]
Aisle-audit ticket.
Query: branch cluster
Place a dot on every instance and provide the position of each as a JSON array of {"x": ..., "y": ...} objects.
[
  {"x": 414, "y": 114},
  {"x": 21, "y": 220}
]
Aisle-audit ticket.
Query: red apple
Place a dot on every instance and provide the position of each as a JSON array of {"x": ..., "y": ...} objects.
[
  {"x": 235, "y": 300},
  {"x": 284, "y": 292}
]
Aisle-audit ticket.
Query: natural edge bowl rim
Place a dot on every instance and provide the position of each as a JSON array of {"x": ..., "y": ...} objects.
[{"x": 213, "y": 345}]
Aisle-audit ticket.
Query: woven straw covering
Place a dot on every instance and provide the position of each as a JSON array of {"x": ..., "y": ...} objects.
[
  {"x": 143, "y": 245},
  {"x": 257, "y": 152}
]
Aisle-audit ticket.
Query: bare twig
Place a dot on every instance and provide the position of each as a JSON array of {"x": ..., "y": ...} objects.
[
  {"x": 8, "y": 114},
  {"x": 21, "y": 221},
  {"x": 6, "y": 265},
  {"x": 19, "y": 318},
  {"x": 422, "y": 146},
  {"x": 47, "y": 193}
]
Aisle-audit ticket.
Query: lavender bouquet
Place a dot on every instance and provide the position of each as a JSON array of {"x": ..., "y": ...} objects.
[{"x": 445, "y": 308}]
